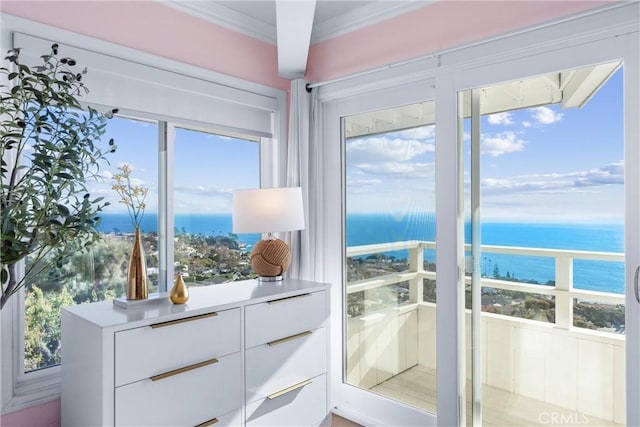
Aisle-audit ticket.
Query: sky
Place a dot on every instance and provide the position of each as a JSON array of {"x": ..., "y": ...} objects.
[
  {"x": 207, "y": 167},
  {"x": 543, "y": 164}
]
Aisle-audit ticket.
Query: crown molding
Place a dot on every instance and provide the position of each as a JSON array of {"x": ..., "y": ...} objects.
[
  {"x": 221, "y": 15},
  {"x": 368, "y": 14}
]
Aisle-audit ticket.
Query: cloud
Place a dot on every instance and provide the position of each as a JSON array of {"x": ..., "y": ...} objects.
[
  {"x": 364, "y": 186},
  {"x": 545, "y": 115},
  {"x": 106, "y": 174},
  {"x": 527, "y": 124},
  {"x": 500, "y": 119},
  {"x": 199, "y": 190},
  {"x": 384, "y": 149},
  {"x": 537, "y": 183},
  {"x": 351, "y": 183},
  {"x": 408, "y": 170},
  {"x": 502, "y": 143},
  {"x": 610, "y": 174}
]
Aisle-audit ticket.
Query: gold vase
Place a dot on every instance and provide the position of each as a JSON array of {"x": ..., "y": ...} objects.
[
  {"x": 137, "y": 288},
  {"x": 179, "y": 293}
]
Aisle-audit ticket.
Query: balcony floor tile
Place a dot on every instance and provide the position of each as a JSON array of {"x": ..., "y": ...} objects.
[{"x": 417, "y": 387}]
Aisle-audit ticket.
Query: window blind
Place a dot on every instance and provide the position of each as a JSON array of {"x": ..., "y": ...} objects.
[{"x": 132, "y": 86}]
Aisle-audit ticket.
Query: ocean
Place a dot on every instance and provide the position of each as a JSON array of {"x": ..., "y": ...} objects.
[
  {"x": 368, "y": 229},
  {"x": 589, "y": 275},
  {"x": 217, "y": 224}
]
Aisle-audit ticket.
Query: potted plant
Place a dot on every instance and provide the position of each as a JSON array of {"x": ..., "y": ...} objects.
[{"x": 49, "y": 150}]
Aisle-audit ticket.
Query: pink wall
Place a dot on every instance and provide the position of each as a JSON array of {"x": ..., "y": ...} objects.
[
  {"x": 45, "y": 415},
  {"x": 429, "y": 29},
  {"x": 152, "y": 27}
]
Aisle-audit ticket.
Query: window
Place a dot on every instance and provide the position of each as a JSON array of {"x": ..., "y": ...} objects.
[
  {"x": 100, "y": 273},
  {"x": 207, "y": 167},
  {"x": 195, "y": 103}
]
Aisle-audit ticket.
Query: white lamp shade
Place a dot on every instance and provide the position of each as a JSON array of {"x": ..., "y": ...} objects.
[{"x": 267, "y": 210}]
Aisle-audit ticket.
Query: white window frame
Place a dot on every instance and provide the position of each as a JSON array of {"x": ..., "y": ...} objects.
[{"x": 19, "y": 390}]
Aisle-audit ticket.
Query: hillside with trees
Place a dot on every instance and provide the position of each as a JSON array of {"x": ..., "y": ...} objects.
[{"x": 101, "y": 274}]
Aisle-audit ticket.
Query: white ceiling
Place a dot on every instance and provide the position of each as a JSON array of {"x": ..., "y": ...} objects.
[
  {"x": 282, "y": 25},
  {"x": 332, "y": 17}
]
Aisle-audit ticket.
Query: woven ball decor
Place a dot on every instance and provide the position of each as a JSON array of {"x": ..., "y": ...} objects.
[{"x": 270, "y": 258}]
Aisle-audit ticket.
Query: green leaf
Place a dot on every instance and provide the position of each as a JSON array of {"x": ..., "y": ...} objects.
[
  {"x": 4, "y": 275},
  {"x": 46, "y": 212},
  {"x": 63, "y": 210},
  {"x": 54, "y": 222}
]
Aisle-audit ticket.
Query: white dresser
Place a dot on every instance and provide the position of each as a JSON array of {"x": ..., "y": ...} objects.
[{"x": 241, "y": 353}]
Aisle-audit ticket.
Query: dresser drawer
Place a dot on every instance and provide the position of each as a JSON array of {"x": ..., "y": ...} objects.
[
  {"x": 232, "y": 419},
  {"x": 277, "y": 365},
  {"x": 281, "y": 318},
  {"x": 147, "y": 351},
  {"x": 302, "y": 406},
  {"x": 185, "y": 398}
]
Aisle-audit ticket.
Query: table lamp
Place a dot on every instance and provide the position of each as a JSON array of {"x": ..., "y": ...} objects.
[{"x": 268, "y": 210}]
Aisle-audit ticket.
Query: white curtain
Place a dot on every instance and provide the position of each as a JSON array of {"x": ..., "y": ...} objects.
[{"x": 303, "y": 166}]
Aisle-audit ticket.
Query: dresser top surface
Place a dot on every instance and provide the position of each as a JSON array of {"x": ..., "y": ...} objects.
[{"x": 201, "y": 299}]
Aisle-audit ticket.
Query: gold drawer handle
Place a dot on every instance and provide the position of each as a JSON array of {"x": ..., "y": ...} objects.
[
  {"x": 208, "y": 423},
  {"x": 186, "y": 319},
  {"x": 276, "y": 301},
  {"x": 289, "y": 389},
  {"x": 291, "y": 338},
  {"x": 183, "y": 370}
]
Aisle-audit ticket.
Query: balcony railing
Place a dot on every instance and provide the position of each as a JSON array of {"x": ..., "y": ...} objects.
[
  {"x": 563, "y": 291},
  {"x": 574, "y": 370}
]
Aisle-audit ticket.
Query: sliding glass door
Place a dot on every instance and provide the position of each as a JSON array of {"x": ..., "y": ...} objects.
[
  {"x": 548, "y": 279},
  {"x": 482, "y": 232},
  {"x": 388, "y": 301}
]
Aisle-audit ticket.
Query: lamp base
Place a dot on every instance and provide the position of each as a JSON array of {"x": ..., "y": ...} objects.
[
  {"x": 270, "y": 279},
  {"x": 270, "y": 258}
]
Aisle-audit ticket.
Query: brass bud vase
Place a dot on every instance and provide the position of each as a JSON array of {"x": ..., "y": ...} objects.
[
  {"x": 137, "y": 288},
  {"x": 179, "y": 292}
]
